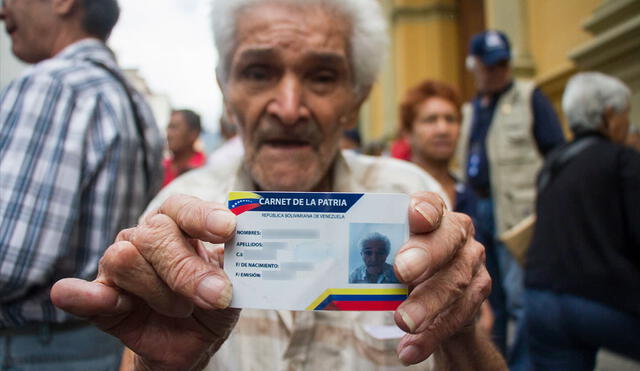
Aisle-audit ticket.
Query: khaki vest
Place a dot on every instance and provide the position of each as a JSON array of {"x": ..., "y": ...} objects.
[{"x": 514, "y": 160}]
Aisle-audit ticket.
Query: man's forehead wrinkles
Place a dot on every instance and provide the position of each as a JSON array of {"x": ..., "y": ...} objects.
[
  {"x": 257, "y": 53},
  {"x": 292, "y": 28}
]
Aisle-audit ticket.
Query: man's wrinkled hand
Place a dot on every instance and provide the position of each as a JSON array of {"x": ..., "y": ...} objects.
[
  {"x": 158, "y": 289},
  {"x": 443, "y": 265}
]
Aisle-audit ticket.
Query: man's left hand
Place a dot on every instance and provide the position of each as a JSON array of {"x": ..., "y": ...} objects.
[{"x": 443, "y": 265}]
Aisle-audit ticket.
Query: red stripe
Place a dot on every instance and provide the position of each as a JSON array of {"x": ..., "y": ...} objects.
[
  {"x": 241, "y": 209},
  {"x": 363, "y": 305}
]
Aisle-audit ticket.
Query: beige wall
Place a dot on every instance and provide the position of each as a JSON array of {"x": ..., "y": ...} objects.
[
  {"x": 556, "y": 29},
  {"x": 424, "y": 44}
]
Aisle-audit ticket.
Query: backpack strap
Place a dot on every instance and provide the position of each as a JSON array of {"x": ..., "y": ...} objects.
[
  {"x": 560, "y": 158},
  {"x": 137, "y": 117}
]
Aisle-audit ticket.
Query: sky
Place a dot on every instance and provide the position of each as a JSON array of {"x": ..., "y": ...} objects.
[{"x": 170, "y": 42}]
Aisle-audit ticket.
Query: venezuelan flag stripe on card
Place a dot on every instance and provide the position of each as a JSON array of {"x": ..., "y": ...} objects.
[
  {"x": 239, "y": 202},
  {"x": 359, "y": 299}
]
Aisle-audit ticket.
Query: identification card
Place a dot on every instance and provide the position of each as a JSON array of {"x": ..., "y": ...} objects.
[{"x": 316, "y": 251}]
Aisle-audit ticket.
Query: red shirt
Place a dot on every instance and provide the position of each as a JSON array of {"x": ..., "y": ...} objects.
[
  {"x": 171, "y": 171},
  {"x": 400, "y": 148}
]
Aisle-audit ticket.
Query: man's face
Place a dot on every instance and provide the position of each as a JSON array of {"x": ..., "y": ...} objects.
[
  {"x": 491, "y": 79},
  {"x": 179, "y": 136},
  {"x": 374, "y": 254},
  {"x": 31, "y": 25},
  {"x": 435, "y": 130},
  {"x": 290, "y": 90}
]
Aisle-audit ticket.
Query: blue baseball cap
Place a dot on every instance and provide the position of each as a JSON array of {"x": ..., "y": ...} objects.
[{"x": 491, "y": 47}]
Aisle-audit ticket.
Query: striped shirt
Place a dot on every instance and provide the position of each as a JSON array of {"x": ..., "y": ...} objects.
[
  {"x": 322, "y": 340},
  {"x": 71, "y": 175}
]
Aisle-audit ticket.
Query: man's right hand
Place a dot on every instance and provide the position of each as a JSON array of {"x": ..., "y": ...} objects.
[{"x": 159, "y": 290}]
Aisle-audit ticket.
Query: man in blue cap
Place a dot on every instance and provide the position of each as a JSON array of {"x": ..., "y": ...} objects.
[{"x": 507, "y": 129}]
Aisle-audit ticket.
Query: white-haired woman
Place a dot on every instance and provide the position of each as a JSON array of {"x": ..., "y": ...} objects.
[{"x": 583, "y": 267}]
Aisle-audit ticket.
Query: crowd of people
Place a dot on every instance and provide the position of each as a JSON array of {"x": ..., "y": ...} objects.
[{"x": 100, "y": 271}]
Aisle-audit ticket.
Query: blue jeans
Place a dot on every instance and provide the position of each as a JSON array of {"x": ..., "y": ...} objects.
[
  {"x": 77, "y": 349},
  {"x": 507, "y": 293},
  {"x": 566, "y": 331}
]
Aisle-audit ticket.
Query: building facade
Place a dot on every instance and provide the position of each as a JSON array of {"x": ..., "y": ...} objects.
[{"x": 551, "y": 41}]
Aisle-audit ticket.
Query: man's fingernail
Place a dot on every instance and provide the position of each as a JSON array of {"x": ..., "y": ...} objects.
[
  {"x": 222, "y": 221},
  {"x": 409, "y": 354},
  {"x": 429, "y": 212},
  {"x": 407, "y": 320},
  {"x": 124, "y": 303},
  {"x": 215, "y": 292},
  {"x": 408, "y": 261}
]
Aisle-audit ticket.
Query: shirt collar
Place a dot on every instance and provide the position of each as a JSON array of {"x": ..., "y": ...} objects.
[
  {"x": 495, "y": 96},
  {"x": 89, "y": 48}
]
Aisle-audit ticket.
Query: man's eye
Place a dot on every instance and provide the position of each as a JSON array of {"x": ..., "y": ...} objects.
[
  {"x": 451, "y": 119},
  {"x": 324, "y": 77},
  {"x": 256, "y": 73},
  {"x": 429, "y": 119}
]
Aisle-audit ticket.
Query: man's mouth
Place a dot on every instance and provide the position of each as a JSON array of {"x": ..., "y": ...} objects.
[
  {"x": 10, "y": 29},
  {"x": 283, "y": 143}
]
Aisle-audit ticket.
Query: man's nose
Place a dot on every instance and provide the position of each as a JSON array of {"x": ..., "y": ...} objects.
[
  {"x": 288, "y": 104},
  {"x": 441, "y": 125}
]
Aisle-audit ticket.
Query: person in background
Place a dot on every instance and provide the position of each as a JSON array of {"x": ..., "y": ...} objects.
[
  {"x": 430, "y": 122},
  {"x": 294, "y": 74},
  {"x": 430, "y": 118},
  {"x": 506, "y": 130},
  {"x": 182, "y": 132},
  {"x": 583, "y": 266},
  {"x": 80, "y": 158},
  {"x": 351, "y": 140},
  {"x": 400, "y": 148}
]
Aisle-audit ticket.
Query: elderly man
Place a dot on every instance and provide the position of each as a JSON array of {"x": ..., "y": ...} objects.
[
  {"x": 293, "y": 75},
  {"x": 374, "y": 250},
  {"x": 506, "y": 130},
  {"x": 79, "y": 160}
]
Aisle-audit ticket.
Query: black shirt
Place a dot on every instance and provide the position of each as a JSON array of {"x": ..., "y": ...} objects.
[{"x": 587, "y": 235}]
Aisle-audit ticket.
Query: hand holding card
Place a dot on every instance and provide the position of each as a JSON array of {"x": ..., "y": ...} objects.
[
  {"x": 142, "y": 274},
  {"x": 316, "y": 251},
  {"x": 443, "y": 266}
]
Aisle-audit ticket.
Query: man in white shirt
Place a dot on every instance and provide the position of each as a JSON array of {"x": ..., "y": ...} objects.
[{"x": 294, "y": 75}]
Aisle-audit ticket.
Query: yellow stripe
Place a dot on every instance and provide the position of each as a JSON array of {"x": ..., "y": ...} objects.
[
  {"x": 240, "y": 195},
  {"x": 402, "y": 291},
  {"x": 319, "y": 300},
  {"x": 328, "y": 292}
]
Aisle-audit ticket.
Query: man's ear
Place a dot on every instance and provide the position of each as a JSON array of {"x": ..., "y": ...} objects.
[
  {"x": 64, "y": 7},
  {"x": 350, "y": 120},
  {"x": 606, "y": 118}
]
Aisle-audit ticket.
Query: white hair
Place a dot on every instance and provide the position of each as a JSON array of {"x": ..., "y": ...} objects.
[
  {"x": 368, "y": 41},
  {"x": 588, "y": 95},
  {"x": 375, "y": 236}
]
